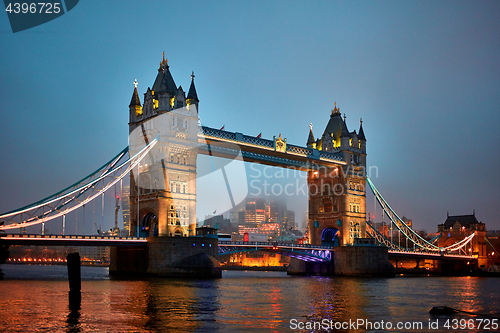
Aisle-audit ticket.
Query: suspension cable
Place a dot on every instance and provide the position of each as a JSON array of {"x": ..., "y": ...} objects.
[
  {"x": 59, "y": 211},
  {"x": 410, "y": 233}
]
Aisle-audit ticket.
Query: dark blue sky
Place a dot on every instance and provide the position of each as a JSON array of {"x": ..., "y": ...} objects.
[{"x": 424, "y": 76}]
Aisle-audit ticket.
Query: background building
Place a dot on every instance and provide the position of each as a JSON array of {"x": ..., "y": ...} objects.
[{"x": 126, "y": 208}]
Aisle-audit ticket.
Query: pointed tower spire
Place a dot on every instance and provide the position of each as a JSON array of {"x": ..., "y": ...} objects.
[
  {"x": 311, "y": 143},
  {"x": 135, "y": 103},
  {"x": 345, "y": 131},
  {"x": 335, "y": 110},
  {"x": 192, "y": 97},
  {"x": 135, "y": 96},
  {"x": 164, "y": 82},
  {"x": 361, "y": 135}
]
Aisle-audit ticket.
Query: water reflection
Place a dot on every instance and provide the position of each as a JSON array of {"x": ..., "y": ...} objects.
[
  {"x": 167, "y": 304},
  {"x": 240, "y": 301},
  {"x": 73, "y": 320}
]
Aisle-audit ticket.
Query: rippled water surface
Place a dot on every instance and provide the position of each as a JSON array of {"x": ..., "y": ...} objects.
[{"x": 35, "y": 299}]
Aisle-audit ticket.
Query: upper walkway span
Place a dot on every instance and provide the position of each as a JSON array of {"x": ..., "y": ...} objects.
[{"x": 271, "y": 152}]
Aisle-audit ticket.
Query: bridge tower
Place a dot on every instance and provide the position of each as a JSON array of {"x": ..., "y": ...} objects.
[
  {"x": 337, "y": 197},
  {"x": 163, "y": 187}
]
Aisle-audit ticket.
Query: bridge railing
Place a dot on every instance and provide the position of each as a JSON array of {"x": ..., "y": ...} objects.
[
  {"x": 257, "y": 141},
  {"x": 81, "y": 237},
  {"x": 433, "y": 254}
]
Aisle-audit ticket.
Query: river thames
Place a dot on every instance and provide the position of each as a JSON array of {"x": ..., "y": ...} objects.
[{"x": 35, "y": 299}]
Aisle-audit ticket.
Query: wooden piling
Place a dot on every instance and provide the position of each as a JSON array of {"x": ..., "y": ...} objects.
[{"x": 74, "y": 278}]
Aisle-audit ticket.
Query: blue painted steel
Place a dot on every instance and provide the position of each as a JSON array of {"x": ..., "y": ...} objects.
[{"x": 306, "y": 252}]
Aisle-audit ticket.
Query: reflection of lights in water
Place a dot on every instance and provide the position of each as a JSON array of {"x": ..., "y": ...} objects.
[{"x": 240, "y": 301}]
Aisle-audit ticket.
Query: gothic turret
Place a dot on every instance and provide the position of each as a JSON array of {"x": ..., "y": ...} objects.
[
  {"x": 163, "y": 97},
  {"x": 362, "y": 144},
  {"x": 149, "y": 103},
  {"x": 164, "y": 88},
  {"x": 311, "y": 143},
  {"x": 345, "y": 139},
  {"x": 180, "y": 99},
  {"x": 333, "y": 131},
  {"x": 135, "y": 104},
  {"x": 361, "y": 135},
  {"x": 192, "y": 97}
]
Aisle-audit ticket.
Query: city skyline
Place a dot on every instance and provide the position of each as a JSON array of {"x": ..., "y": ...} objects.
[{"x": 422, "y": 76}]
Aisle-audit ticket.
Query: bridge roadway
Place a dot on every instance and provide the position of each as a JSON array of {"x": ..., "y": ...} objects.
[
  {"x": 71, "y": 240},
  {"x": 304, "y": 252}
]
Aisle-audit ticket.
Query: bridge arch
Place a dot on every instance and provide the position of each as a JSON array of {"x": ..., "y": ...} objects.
[
  {"x": 149, "y": 224},
  {"x": 178, "y": 233},
  {"x": 328, "y": 236}
]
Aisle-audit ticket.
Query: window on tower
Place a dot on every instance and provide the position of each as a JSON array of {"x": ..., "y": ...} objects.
[{"x": 355, "y": 230}]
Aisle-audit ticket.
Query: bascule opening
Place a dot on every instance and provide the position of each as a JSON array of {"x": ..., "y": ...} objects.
[
  {"x": 149, "y": 225},
  {"x": 328, "y": 237}
]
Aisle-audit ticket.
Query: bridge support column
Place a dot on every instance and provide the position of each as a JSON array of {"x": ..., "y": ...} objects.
[
  {"x": 347, "y": 261},
  {"x": 75, "y": 280},
  {"x": 4, "y": 254},
  {"x": 299, "y": 267},
  {"x": 128, "y": 260},
  {"x": 450, "y": 267},
  {"x": 184, "y": 257},
  {"x": 362, "y": 261},
  {"x": 195, "y": 257}
]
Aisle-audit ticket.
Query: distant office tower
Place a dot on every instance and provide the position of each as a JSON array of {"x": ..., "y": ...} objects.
[
  {"x": 126, "y": 208},
  {"x": 241, "y": 217},
  {"x": 289, "y": 220},
  {"x": 255, "y": 211},
  {"x": 277, "y": 212}
]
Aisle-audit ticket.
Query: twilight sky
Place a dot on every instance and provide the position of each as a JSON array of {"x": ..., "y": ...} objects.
[{"x": 423, "y": 75}]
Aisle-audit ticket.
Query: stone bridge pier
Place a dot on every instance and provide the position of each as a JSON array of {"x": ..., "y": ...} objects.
[
  {"x": 348, "y": 261},
  {"x": 195, "y": 257}
]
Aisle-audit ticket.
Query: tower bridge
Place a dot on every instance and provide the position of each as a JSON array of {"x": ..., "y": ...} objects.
[{"x": 166, "y": 146}]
